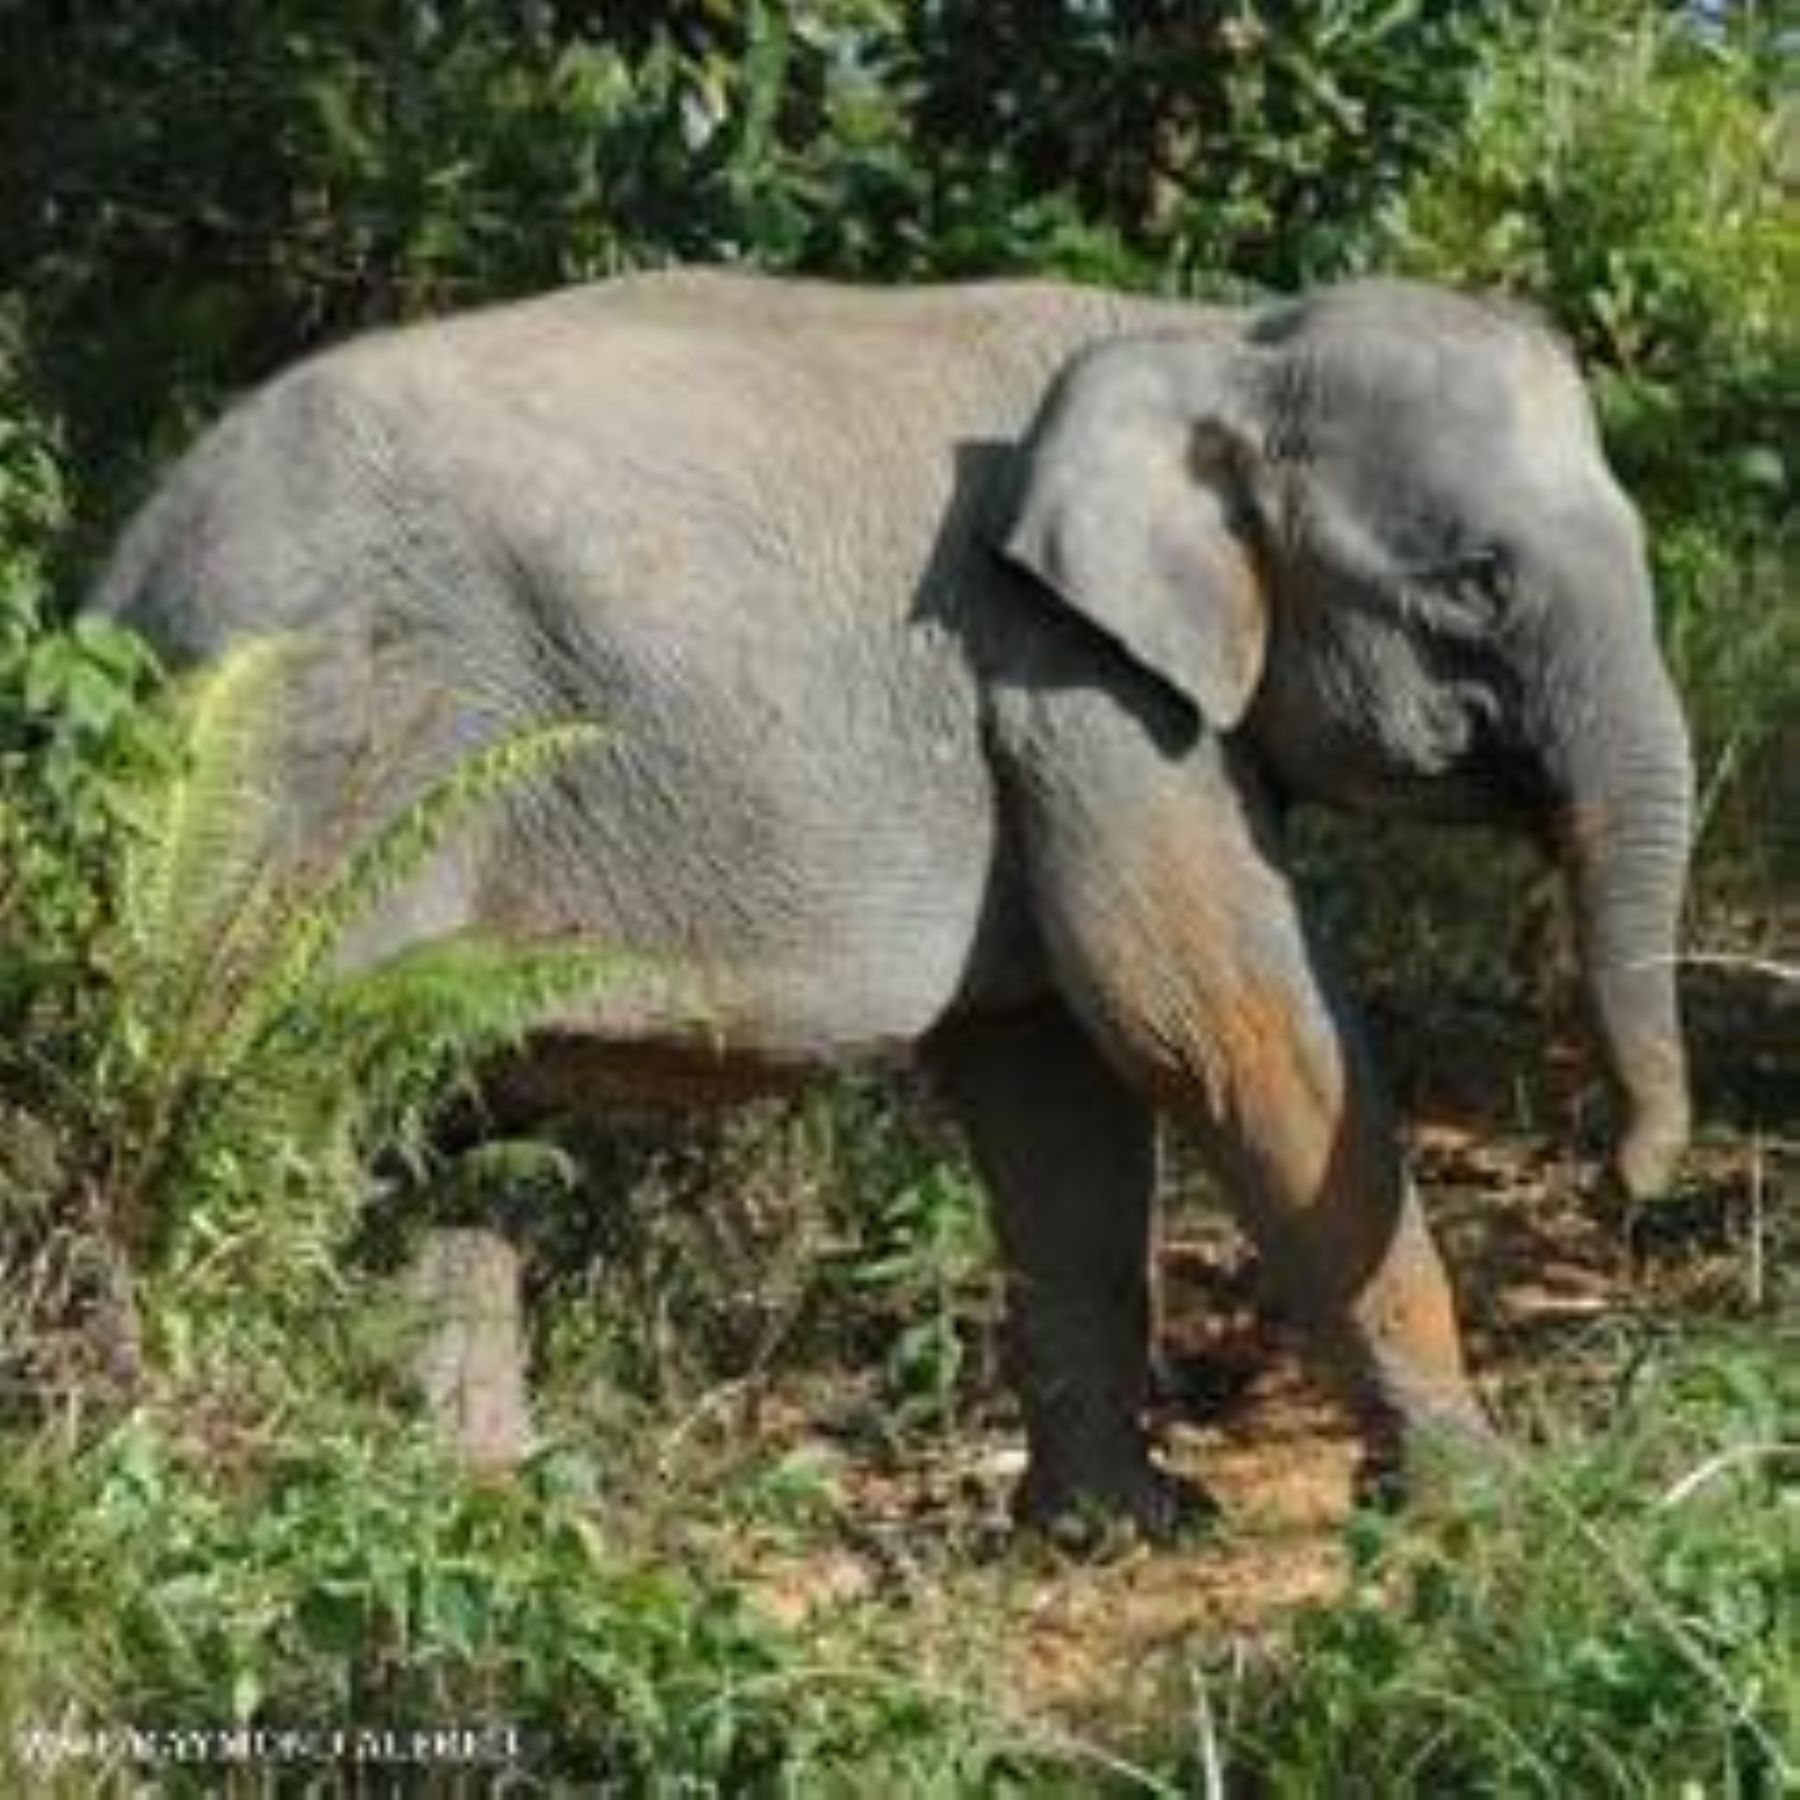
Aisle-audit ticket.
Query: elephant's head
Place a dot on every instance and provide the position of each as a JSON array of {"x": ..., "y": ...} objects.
[{"x": 1374, "y": 534}]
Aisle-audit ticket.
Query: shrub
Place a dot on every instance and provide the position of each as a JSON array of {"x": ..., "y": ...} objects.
[{"x": 191, "y": 1079}]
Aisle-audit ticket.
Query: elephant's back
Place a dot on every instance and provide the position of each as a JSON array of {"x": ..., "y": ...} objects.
[
  {"x": 711, "y": 428},
  {"x": 598, "y": 506},
  {"x": 698, "y": 438},
  {"x": 775, "y": 492}
]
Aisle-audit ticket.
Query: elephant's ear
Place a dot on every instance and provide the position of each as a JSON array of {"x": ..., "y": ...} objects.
[{"x": 1137, "y": 510}]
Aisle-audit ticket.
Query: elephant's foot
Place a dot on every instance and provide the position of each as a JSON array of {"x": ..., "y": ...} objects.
[
  {"x": 1101, "y": 1516},
  {"x": 1419, "y": 1464}
]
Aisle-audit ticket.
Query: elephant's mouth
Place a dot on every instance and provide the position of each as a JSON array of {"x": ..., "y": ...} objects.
[
  {"x": 1492, "y": 779},
  {"x": 1494, "y": 789}
]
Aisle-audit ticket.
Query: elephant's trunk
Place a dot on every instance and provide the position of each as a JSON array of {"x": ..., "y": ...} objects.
[{"x": 1625, "y": 837}]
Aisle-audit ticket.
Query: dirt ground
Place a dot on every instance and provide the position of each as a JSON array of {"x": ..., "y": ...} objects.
[{"x": 1551, "y": 1287}]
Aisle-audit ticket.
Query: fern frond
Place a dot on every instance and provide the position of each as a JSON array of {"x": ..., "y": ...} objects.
[
  {"x": 469, "y": 987},
  {"x": 226, "y": 1004},
  {"x": 303, "y": 942},
  {"x": 410, "y": 1025},
  {"x": 192, "y": 869},
  {"x": 363, "y": 1060},
  {"x": 401, "y": 847}
]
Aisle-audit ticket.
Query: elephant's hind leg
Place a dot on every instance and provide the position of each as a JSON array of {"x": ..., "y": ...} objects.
[{"x": 1067, "y": 1152}]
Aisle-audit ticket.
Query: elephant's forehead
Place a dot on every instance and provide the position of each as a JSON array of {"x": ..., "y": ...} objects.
[
  {"x": 1438, "y": 393},
  {"x": 1548, "y": 408},
  {"x": 1519, "y": 423}
]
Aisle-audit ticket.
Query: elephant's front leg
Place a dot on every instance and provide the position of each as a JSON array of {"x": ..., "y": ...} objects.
[
  {"x": 1177, "y": 934},
  {"x": 1067, "y": 1152}
]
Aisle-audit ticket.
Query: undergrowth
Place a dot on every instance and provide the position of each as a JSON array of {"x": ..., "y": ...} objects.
[
  {"x": 1616, "y": 1615},
  {"x": 350, "y": 1574}
]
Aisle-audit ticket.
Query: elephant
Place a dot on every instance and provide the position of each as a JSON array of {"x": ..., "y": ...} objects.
[{"x": 961, "y": 653}]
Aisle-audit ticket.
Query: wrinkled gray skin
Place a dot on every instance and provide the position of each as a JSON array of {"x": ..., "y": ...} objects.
[{"x": 961, "y": 650}]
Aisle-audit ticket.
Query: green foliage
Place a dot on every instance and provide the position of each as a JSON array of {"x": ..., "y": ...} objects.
[
  {"x": 1625, "y": 171},
  {"x": 926, "y": 1255},
  {"x": 1618, "y": 1618},
  {"x": 314, "y": 166},
  {"x": 187, "y": 1063},
  {"x": 838, "y": 1230},
  {"x": 355, "y": 1577},
  {"x": 72, "y": 732},
  {"x": 1250, "y": 145},
  {"x": 75, "y": 745}
]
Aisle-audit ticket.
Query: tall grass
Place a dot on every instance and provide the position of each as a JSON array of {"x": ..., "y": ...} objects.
[{"x": 1616, "y": 1615}]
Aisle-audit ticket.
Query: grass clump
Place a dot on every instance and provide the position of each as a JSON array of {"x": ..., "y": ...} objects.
[
  {"x": 1617, "y": 1616},
  {"x": 353, "y": 1575}
]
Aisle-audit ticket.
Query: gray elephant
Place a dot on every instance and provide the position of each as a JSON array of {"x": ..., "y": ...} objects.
[{"x": 961, "y": 651}]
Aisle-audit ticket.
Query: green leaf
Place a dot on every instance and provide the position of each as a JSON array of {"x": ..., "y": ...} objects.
[
  {"x": 195, "y": 867},
  {"x": 399, "y": 849}
]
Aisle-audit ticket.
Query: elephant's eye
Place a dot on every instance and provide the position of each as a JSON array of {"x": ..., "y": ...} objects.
[{"x": 1482, "y": 576}]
